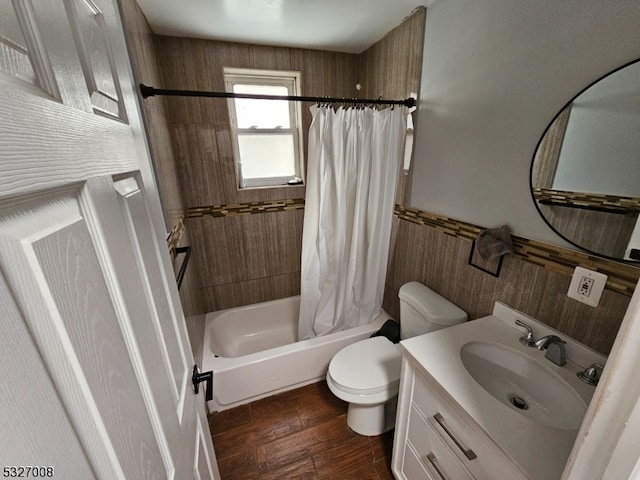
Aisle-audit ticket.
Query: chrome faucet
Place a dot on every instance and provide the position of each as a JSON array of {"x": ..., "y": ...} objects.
[
  {"x": 592, "y": 374},
  {"x": 554, "y": 347},
  {"x": 527, "y": 339}
]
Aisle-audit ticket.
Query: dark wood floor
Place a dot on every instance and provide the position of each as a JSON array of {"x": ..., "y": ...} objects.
[{"x": 301, "y": 434}]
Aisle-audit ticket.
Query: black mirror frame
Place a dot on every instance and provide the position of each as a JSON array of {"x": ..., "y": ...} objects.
[{"x": 531, "y": 188}]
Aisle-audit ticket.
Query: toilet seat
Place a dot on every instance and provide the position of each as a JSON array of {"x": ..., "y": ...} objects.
[{"x": 369, "y": 367}]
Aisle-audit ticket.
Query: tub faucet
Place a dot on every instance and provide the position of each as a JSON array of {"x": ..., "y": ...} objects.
[{"x": 554, "y": 347}]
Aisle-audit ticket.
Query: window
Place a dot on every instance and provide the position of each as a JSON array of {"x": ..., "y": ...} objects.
[{"x": 266, "y": 133}]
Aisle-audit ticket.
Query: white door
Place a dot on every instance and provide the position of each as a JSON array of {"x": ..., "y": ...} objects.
[{"x": 95, "y": 363}]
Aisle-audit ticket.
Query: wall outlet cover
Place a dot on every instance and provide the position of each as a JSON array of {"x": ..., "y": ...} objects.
[{"x": 587, "y": 286}]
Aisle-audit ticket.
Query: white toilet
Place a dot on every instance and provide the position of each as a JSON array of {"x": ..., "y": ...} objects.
[{"x": 367, "y": 373}]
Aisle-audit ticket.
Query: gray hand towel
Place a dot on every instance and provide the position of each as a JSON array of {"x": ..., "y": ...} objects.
[{"x": 494, "y": 242}]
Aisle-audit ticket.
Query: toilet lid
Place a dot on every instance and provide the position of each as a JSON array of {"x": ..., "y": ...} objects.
[{"x": 366, "y": 367}]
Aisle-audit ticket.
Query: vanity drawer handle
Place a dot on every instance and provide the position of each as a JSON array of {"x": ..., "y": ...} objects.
[
  {"x": 467, "y": 451},
  {"x": 434, "y": 463}
]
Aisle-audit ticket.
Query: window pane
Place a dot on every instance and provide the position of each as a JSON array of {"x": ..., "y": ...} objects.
[
  {"x": 264, "y": 156},
  {"x": 262, "y": 113}
]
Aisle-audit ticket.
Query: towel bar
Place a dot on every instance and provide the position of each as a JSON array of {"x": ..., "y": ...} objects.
[{"x": 183, "y": 267}]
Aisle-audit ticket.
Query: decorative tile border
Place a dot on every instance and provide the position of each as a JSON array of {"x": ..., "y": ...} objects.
[
  {"x": 235, "y": 209},
  {"x": 622, "y": 276},
  {"x": 455, "y": 228},
  {"x": 173, "y": 238},
  {"x": 588, "y": 201}
]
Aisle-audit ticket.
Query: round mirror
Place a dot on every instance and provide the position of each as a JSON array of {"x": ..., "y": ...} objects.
[{"x": 585, "y": 174}]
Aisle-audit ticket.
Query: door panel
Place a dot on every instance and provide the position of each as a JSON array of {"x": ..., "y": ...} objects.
[
  {"x": 91, "y": 40},
  {"x": 57, "y": 277},
  {"x": 203, "y": 468},
  {"x": 49, "y": 439},
  {"x": 87, "y": 286},
  {"x": 14, "y": 54},
  {"x": 22, "y": 54},
  {"x": 138, "y": 225},
  {"x": 73, "y": 275}
]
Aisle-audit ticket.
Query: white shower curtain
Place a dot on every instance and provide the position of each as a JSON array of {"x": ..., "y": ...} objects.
[{"x": 354, "y": 160}]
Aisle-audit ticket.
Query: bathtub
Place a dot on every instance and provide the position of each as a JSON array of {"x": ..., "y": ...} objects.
[{"x": 253, "y": 352}]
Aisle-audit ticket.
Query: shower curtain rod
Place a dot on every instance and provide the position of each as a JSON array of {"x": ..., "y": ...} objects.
[{"x": 147, "y": 91}]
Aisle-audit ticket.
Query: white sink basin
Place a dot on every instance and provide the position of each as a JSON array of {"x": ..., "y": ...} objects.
[
  {"x": 524, "y": 384},
  {"x": 481, "y": 366}
]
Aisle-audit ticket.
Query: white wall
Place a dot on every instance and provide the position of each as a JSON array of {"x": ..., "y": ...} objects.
[
  {"x": 495, "y": 72},
  {"x": 601, "y": 147}
]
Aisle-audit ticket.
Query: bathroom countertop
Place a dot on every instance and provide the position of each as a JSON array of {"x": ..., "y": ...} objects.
[{"x": 540, "y": 450}]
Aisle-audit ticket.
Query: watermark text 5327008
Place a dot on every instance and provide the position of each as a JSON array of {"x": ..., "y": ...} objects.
[{"x": 28, "y": 471}]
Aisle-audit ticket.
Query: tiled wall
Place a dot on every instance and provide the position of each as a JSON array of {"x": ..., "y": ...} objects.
[
  {"x": 599, "y": 223},
  {"x": 247, "y": 243},
  {"x": 242, "y": 257},
  {"x": 145, "y": 68},
  {"x": 251, "y": 257},
  {"x": 435, "y": 250},
  {"x": 391, "y": 68},
  {"x": 200, "y": 126}
]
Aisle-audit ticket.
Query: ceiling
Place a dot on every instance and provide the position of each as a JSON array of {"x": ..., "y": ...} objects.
[{"x": 339, "y": 25}]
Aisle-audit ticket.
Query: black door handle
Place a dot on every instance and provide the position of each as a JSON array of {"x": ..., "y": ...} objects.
[{"x": 198, "y": 377}]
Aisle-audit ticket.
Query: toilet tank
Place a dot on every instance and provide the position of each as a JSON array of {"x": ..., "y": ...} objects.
[{"x": 422, "y": 311}]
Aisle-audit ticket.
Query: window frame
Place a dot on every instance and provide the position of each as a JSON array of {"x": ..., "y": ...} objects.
[{"x": 285, "y": 78}]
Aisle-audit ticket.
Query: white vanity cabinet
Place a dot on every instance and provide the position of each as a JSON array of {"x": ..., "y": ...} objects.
[
  {"x": 436, "y": 439},
  {"x": 452, "y": 424}
]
